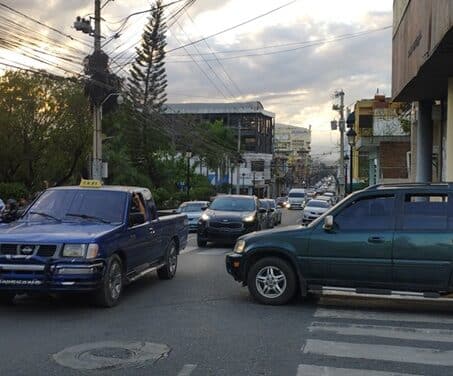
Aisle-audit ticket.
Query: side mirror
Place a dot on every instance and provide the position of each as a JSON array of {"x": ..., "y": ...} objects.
[
  {"x": 262, "y": 210},
  {"x": 203, "y": 208},
  {"x": 175, "y": 211},
  {"x": 328, "y": 223},
  {"x": 136, "y": 219}
]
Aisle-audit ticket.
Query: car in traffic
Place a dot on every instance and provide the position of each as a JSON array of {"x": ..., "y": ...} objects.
[
  {"x": 270, "y": 221},
  {"x": 326, "y": 198},
  {"x": 276, "y": 213},
  {"x": 313, "y": 209},
  {"x": 229, "y": 217},
  {"x": 282, "y": 202},
  {"x": 90, "y": 239},
  {"x": 296, "y": 198},
  {"x": 193, "y": 210},
  {"x": 385, "y": 240}
]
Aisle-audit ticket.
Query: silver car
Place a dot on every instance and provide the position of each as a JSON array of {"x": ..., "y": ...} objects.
[
  {"x": 193, "y": 210},
  {"x": 313, "y": 209}
]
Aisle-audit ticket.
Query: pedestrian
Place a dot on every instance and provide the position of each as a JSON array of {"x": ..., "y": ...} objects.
[{"x": 2, "y": 205}]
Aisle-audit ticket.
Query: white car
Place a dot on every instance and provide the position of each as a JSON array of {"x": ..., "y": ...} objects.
[{"x": 313, "y": 209}]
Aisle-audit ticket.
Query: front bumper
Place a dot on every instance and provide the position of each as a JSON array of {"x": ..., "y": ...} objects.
[
  {"x": 235, "y": 266},
  {"x": 223, "y": 234},
  {"x": 55, "y": 276}
]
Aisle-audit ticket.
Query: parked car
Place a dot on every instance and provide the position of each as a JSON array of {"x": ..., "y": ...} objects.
[
  {"x": 228, "y": 217},
  {"x": 276, "y": 212},
  {"x": 90, "y": 238},
  {"x": 333, "y": 197},
  {"x": 390, "y": 240},
  {"x": 296, "y": 198},
  {"x": 270, "y": 222},
  {"x": 313, "y": 209},
  {"x": 193, "y": 210},
  {"x": 282, "y": 202}
]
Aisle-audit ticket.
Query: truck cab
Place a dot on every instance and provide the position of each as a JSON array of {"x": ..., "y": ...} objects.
[{"x": 89, "y": 238}]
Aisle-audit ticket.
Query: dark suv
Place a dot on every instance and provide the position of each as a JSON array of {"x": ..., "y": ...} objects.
[
  {"x": 382, "y": 240},
  {"x": 229, "y": 217}
]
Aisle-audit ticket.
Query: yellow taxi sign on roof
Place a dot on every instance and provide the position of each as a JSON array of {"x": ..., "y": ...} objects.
[{"x": 87, "y": 183}]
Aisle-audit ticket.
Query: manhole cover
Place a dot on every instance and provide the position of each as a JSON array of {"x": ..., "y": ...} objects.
[{"x": 110, "y": 354}]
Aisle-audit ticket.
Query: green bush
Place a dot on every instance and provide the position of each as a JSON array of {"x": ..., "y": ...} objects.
[{"x": 13, "y": 190}]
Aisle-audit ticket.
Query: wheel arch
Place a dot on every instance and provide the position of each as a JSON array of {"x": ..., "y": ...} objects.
[{"x": 261, "y": 253}]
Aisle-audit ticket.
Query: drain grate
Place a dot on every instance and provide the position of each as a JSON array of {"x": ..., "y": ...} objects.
[{"x": 110, "y": 354}]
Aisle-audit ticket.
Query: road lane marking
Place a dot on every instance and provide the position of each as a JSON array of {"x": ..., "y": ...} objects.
[
  {"x": 403, "y": 354},
  {"x": 418, "y": 334},
  {"x": 310, "y": 370},
  {"x": 187, "y": 370},
  {"x": 381, "y": 316}
]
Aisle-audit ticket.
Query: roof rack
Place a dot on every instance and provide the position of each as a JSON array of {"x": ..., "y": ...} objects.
[{"x": 396, "y": 185}]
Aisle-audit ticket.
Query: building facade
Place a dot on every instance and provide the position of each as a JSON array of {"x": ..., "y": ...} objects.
[
  {"x": 291, "y": 157},
  {"x": 254, "y": 125},
  {"x": 422, "y": 73},
  {"x": 382, "y": 149}
]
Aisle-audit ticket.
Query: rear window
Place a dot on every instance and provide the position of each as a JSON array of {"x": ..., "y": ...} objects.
[{"x": 296, "y": 194}]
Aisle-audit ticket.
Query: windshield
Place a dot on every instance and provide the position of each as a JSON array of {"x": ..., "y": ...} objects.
[
  {"x": 233, "y": 204},
  {"x": 107, "y": 206},
  {"x": 318, "y": 204},
  {"x": 297, "y": 194},
  {"x": 188, "y": 208}
]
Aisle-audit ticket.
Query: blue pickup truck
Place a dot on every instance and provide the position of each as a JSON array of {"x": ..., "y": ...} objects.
[{"x": 88, "y": 238}]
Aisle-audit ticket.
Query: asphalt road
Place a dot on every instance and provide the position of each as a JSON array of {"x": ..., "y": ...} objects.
[{"x": 204, "y": 323}]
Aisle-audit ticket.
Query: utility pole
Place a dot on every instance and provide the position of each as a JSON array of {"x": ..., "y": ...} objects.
[
  {"x": 238, "y": 172},
  {"x": 96, "y": 170},
  {"x": 340, "y": 109}
]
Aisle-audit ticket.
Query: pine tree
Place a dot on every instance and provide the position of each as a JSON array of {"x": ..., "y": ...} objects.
[{"x": 147, "y": 84}]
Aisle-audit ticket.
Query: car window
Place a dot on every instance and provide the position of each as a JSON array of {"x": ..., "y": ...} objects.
[
  {"x": 233, "y": 204},
  {"x": 425, "y": 212},
  {"x": 373, "y": 213}
]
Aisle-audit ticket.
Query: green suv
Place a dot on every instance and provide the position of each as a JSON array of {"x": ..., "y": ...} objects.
[{"x": 383, "y": 240}]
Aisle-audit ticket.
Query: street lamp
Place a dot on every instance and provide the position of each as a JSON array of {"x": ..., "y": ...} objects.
[
  {"x": 351, "y": 135},
  {"x": 188, "y": 156},
  {"x": 346, "y": 161}
]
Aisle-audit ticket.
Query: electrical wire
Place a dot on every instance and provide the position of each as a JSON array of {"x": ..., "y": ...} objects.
[
  {"x": 42, "y": 24},
  {"x": 233, "y": 27},
  {"x": 326, "y": 41}
]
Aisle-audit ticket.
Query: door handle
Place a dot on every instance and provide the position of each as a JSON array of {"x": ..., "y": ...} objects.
[{"x": 376, "y": 239}]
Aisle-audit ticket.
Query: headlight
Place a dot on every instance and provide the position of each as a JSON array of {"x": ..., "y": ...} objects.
[
  {"x": 204, "y": 217},
  {"x": 249, "y": 218},
  {"x": 239, "y": 247},
  {"x": 88, "y": 251}
]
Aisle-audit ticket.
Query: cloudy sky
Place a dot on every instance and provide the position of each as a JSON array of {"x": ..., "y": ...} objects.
[{"x": 291, "y": 59}]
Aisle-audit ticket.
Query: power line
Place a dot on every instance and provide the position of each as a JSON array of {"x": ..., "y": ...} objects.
[
  {"x": 321, "y": 40},
  {"x": 218, "y": 61},
  {"x": 233, "y": 27},
  {"x": 291, "y": 49},
  {"x": 42, "y": 24}
]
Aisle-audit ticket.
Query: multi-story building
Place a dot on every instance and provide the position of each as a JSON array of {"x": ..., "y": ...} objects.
[
  {"x": 422, "y": 73},
  {"x": 255, "y": 126},
  {"x": 291, "y": 156},
  {"x": 381, "y": 152}
]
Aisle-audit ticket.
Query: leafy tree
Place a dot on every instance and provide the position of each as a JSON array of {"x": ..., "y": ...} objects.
[{"x": 44, "y": 129}]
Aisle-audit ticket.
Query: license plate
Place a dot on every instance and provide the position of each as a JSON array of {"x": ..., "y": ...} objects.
[{"x": 19, "y": 282}]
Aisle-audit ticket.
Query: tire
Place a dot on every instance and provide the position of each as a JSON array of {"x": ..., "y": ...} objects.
[
  {"x": 171, "y": 262},
  {"x": 109, "y": 293},
  {"x": 7, "y": 298},
  {"x": 272, "y": 288},
  {"x": 202, "y": 243}
]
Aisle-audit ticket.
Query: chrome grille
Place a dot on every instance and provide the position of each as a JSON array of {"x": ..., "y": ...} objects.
[
  {"x": 46, "y": 250},
  {"x": 42, "y": 250},
  {"x": 232, "y": 225}
]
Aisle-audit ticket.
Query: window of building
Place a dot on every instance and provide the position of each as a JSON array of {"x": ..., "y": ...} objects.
[{"x": 372, "y": 213}]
